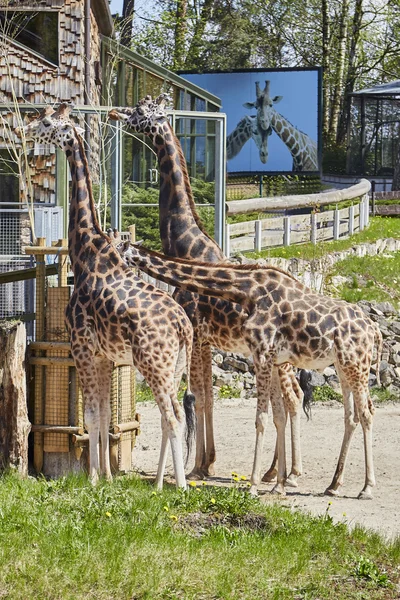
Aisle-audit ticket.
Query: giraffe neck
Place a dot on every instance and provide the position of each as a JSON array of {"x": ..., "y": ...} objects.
[
  {"x": 182, "y": 233},
  {"x": 302, "y": 148},
  {"x": 85, "y": 237},
  {"x": 237, "y": 283}
]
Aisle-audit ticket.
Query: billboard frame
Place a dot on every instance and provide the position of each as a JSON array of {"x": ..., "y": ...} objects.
[{"x": 260, "y": 173}]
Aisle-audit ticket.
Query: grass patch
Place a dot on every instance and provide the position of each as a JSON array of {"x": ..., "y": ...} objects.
[
  {"x": 324, "y": 393},
  {"x": 379, "y": 228},
  {"x": 381, "y": 395},
  {"x": 122, "y": 540},
  {"x": 143, "y": 393},
  {"x": 372, "y": 278}
]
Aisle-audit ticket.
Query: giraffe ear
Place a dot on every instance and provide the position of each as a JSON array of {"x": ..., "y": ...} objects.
[
  {"x": 126, "y": 245},
  {"x": 249, "y": 104},
  {"x": 276, "y": 99}
]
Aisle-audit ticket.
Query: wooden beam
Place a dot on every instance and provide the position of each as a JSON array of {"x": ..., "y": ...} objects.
[{"x": 24, "y": 274}]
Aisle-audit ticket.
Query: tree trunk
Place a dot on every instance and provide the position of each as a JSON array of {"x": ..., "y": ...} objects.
[
  {"x": 351, "y": 72},
  {"x": 180, "y": 33},
  {"x": 396, "y": 174},
  {"x": 340, "y": 68},
  {"x": 127, "y": 22},
  {"x": 14, "y": 423},
  {"x": 195, "y": 44},
  {"x": 325, "y": 65}
]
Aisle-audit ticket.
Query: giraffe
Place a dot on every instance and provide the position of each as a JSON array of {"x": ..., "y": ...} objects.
[
  {"x": 247, "y": 128},
  {"x": 303, "y": 149},
  {"x": 216, "y": 322},
  {"x": 112, "y": 315},
  {"x": 288, "y": 322}
]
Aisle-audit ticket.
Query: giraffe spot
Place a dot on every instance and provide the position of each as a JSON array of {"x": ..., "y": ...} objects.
[
  {"x": 121, "y": 294},
  {"x": 287, "y": 332},
  {"x": 313, "y": 317},
  {"x": 197, "y": 248},
  {"x": 278, "y": 294},
  {"x": 327, "y": 323}
]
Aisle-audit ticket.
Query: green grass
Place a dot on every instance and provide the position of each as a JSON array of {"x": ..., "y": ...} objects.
[
  {"x": 122, "y": 540},
  {"x": 380, "y": 227},
  {"x": 373, "y": 278}
]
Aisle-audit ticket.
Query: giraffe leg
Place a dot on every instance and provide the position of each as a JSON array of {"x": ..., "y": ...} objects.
[
  {"x": 163, "y": 454},
  {"x": 350, "y": 424},
  {"x": 209, "y": 460},
  {"x": 263, "y": 369},
  {"x": 279, "y": 416},
  {"x": 197, "y": 385},
  {"x": 293, "y": 399},
  {"x": 365, "y": 412},
  {"x": 90, "y": 387},
  {"x": 104, "y": 372}
]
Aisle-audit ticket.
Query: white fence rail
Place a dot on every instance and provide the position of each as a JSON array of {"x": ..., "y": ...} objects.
[{"x": 297, "y": 229}]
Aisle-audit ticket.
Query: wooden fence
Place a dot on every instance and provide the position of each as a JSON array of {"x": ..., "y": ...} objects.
[{"x": 298, "y": 229}]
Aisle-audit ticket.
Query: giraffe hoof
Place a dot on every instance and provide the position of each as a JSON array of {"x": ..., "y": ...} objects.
[
  {"x": 209, "y": 471},
  {"x": 278, "y": 490},
  {"x": 291, "y": 481},
  {"x": 365, "y": 495},
  {"x": 253, "y": 491},
  {"x": 196, "y": 475},
  {"x": 269, "y": 476},
  {"x": 331, "y": 492}
]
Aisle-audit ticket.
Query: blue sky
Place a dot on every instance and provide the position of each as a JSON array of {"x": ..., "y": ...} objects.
[
  {"x": 299, "y": 104},
  {"x": 116, "y": 6}
]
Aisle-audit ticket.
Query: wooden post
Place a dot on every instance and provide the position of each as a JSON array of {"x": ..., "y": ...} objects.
[
  {"x": 132, "y": 233},
  {"x": 257, "y": 236},
  {"x": 39, "y": 370},
  {"x": 286, "y": 231},
  {"x": 351, "y": 219},
  {"x": 14, "y": 423},
  {"x": 366, "y": 210},
  {"x": 336, "y": 224},
  {"x": 62, "y": 265},
  {"x": 313, "y": 222},
  {"x": 361, "y": 216}
]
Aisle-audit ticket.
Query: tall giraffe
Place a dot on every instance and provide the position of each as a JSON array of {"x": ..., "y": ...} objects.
[
  {"x": 287, "y": 322},
  {"x": 303, "y": 149},
  {"x": 112, "y": 315},
  {"x": 248, "y": 128},
  {"x": 216, "y": 322}
]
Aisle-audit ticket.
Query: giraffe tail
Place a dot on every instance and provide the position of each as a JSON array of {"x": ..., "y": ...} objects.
[
  {"x": 189, "y": 400},
  {"x": 378, "y": 340},
  {"x": 304, "y": 381}
]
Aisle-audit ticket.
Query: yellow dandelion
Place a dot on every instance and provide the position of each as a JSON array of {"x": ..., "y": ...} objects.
[
  {"x": 249, "y": 484},
  {"x": 192, "y": 484},
  {"x": 243, "y": 478},
  {"x": 203, "y": 483},
  {"x": 166, "y": 508},
  {"x": 234, "y": 474},
  {"x": 108, "y": 514},
  {"x": 154, "y": 493},
  {"x": 344, "y": 514},
  {"x": 236, "y": 478},
  {"x": 212, "y": 500},
  {"x": 329, "y": 503},
  {"x": 173, "y": 517},
  {"x": 198, "y": 489}
]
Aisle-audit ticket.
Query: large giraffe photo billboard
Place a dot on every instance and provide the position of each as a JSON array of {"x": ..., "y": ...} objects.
[{"x": 273, "y": 118}]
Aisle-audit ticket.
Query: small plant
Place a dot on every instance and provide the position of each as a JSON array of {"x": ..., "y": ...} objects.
[
  {"x": 366, "y": 569},
  {"x": 229, "y": 391},
  {"x": 324, "y": 393}
]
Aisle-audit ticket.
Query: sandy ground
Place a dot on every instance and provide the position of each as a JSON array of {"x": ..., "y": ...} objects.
[{"x": 321, "y": 441}]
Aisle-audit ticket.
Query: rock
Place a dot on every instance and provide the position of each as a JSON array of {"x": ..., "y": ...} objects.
[
  {"x": 317, "y": 379},
  {"x": 218, "y": 359},
  {"x": 235, "y": 363},
  {"x": 386, "y": 308},
  {"x": 395, "y": 327},
  {"x": 376, "y": 311},
  {"x": 328, "y": 372}
]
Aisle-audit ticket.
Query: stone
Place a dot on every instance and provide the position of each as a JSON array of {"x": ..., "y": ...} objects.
[
  {"x": 328, "y": 372},
  {"x": 376, "y": 311},
  {"x": 235, "y": 363},
  {"x": 218, "y": 359},
  {"x": 395, "y": 327},
  {"x": 386, "y": 308},
  {"x": 317, "y": 379}
]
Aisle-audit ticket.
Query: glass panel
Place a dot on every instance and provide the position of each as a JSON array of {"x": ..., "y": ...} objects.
[
  {"x": 129, "y": 82},
  {"x": 154, "y": 85},
  {"x": 139, "y": 85},
  {"x": 9, "y": 188},
  {"x": 36, "y": 30}
]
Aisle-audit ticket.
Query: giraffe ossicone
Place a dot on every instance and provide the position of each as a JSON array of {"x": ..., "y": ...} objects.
[{"x": 114, "y": 316}]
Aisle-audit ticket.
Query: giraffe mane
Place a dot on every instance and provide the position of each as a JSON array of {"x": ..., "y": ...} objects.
[
  {"x": 89, "y": 184},
  {"x": 188, "y": 187},
  {"x": 229, "y": 266}
]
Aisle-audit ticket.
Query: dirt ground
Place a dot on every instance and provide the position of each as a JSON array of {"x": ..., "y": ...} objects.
[{"x": 321, "y": 441}]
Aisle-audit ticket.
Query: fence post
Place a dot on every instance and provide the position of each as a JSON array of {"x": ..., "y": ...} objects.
[
  {"x": 313, "y": 221},
  {"x": 286, "y": 231},
  {"x": 366, "y": 213},
  {"x": 228, "y": 240},
  {"x": 361, "y": 216},
  {"x": 336, "y": 223},
  {"x": 39, "y": 370},
  {"x": 257, "y": 236},
  {"x": 261, "y": 189},
  {"x": 373, "y": 184},
  {"x": 351, "y": 219}
]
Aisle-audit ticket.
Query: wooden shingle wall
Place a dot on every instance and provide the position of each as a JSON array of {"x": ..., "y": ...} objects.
[{"x": 26, "y": 76}]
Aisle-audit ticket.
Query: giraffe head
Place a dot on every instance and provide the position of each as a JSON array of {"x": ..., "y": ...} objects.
[
  {"x": 264, "y": 105},
  {"x": 145, "y": 115},
  {"x": 51, "y": 127}
]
